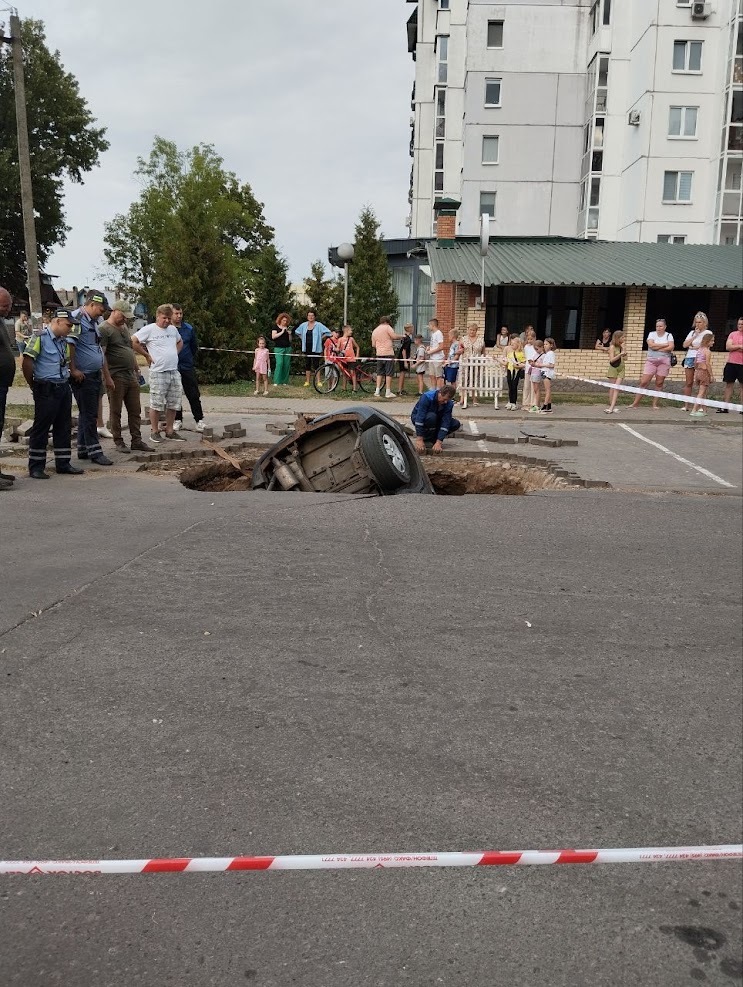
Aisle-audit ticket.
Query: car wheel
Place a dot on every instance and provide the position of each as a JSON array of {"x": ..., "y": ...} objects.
[{"x": 386, "y": 457}]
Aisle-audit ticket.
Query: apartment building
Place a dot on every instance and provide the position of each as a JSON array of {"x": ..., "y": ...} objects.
[{"x": 589, "y": 118}]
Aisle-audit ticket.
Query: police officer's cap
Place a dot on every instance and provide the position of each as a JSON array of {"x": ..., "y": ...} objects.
[
  {"x": 65, "y": 313},
  {"x": 97, "y": 296}
]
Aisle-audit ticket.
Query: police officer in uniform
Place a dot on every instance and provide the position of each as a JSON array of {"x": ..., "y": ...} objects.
[
  {"x": 46, "y": 367},
  {"x": 91, "y": 361}
]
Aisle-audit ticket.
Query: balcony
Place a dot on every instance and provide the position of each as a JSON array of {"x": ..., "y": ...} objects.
[{"x": 735, "y": 137}]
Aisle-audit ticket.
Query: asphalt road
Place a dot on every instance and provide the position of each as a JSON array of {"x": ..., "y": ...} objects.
[{"x": 241, "y": 673}]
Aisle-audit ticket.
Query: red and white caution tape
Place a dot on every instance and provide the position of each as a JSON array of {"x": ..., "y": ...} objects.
[
  {"x": 370, "y": 861},
  {"x": 665, "y": 395}
]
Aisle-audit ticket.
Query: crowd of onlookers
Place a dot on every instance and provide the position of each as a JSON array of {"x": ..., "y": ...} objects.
[{"x": 91, "y": 351}]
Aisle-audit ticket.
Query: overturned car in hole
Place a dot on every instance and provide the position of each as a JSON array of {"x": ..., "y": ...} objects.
[{"x": 357, "y": 451}]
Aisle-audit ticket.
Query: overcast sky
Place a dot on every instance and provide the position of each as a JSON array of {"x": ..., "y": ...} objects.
[{"x": 307, "y": 100}]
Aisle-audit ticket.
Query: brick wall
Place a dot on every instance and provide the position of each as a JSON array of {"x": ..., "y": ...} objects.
[
  {"x": 446, "y": 226},
  {"x": 445, "y": 305},
  {"x": 589, "y": 329}
]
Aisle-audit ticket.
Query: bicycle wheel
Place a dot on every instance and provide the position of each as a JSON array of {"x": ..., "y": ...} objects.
[
  {"x": 366, "y": 377},
  {"x": 326, "y": 378}
]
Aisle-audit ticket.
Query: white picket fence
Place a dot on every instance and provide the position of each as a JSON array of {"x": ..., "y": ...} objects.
[{"x": 480, "y": 377}]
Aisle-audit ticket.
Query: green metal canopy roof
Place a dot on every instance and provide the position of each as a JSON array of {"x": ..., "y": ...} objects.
[{"x": 558, "y": 261}]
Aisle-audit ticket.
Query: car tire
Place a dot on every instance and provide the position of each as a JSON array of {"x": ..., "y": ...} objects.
[{"x": 386, "y": 457}]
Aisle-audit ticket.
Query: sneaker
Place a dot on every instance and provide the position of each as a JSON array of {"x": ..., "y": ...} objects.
[
  {"x": 721, "y": 411},
  {"x": 177, "y": 426},
  {"x": 697, "y": 414},
  {"x": 200, "y": 426},
  {"x": 377, "y": 393},
  {"x": 390, "y": 394},
  {"x": 175, "y": 436},
  {"x": 105, "y": 433},
  {"x": 156, "y": 437},
  {"x": 534, "y": 410},
  {"x": 306, "y": 384},
  {"x": 546, "y": 411}
]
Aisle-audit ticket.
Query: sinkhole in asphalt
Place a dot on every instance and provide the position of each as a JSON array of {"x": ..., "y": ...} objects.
[{"x": 450, "y": 477}]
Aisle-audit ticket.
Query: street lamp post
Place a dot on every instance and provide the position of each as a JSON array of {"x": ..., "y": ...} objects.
[{"x": 345, "y": 253}]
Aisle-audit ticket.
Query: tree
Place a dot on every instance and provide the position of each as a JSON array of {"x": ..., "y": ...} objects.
[
  {"x": 326, "y": 295},
  {"x": 196, "y": 236},
  {"x": 64, "y": 145},
  {"x": 370, "y": 293},
  {"x": 272, "y": 293}
]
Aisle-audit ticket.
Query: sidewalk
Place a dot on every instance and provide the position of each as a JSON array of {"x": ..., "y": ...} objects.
[{"x": 401, "y": 407}]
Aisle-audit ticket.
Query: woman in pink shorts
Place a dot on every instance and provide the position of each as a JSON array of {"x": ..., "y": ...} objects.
[{"x": 658, "y": 362}]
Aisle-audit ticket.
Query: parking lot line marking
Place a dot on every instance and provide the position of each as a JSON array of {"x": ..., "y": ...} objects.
[
  {"x": 482, "y": 444},
  {"x": 680, "y": 459}
]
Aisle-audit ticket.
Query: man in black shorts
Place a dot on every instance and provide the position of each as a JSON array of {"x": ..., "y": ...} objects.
[{"x": 733, "y": 372}]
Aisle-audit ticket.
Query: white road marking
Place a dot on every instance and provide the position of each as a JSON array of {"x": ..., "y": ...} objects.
[
  {"x": 482, "y": 444},
  {"x": 680, "y": 459}
]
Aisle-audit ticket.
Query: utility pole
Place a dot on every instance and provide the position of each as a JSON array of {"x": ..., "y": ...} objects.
[{"x": 24, "y": 165}]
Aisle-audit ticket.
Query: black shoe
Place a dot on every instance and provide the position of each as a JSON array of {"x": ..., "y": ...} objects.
[
  {"x": 38, "y": 474},
  {"x": 70, "y": 470},
  {"x": 82, "y": 455},
  {"x": 6, "y": 484},
  {"x": 7, "y": 476},
  {"x": 720, "y": 411},
  {"x": 101, "y": 460},
  {"x": 120, "y": 447},
  {"x": 141, "y": 447}
]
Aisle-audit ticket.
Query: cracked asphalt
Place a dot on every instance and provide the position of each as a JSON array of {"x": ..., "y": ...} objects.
[{"x": 217, "y": 674}]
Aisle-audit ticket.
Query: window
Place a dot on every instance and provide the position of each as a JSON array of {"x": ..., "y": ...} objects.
[
  {"x": 438, "y": 175},
  {"x": 683, "y": 3},
  {"x": 443, "y": 4},
  {"x": 607, "y": 12},
  {"x": 682, "y": 121},
  {"x": 595, "y": 8},
  {"x": 495, "y": 34},
  {"x": 677, "y": 186},
  {"x": 443, "y": 49},
  {"x": 492, "y": 92},
  {"x": 668, "y": 238},
  {"x": 687, "y": 56},
  {"x": 487, "y": 204},
  {"x": 440, "y": 114},
  {"x": 490, "y": 150}
]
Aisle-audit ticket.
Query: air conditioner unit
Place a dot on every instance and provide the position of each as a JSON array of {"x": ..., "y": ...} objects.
[
  {"x": 634, "y": 118},
  {"x": 700, "y": 11}
]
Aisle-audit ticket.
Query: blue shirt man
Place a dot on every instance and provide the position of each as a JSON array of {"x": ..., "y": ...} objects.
[
  {"x": 46, "y": 367},
  {"x": 432, "y": 417},
  {"x": 51, "y": 353},
  {"x": 88, "y": 352}
]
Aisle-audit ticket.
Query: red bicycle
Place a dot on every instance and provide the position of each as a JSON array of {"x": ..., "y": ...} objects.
[{"x": 327, "y": 377}]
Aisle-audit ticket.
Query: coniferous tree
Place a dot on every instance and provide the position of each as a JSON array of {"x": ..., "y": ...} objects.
[
  {"x": 371, "y": 294},
  {"x": 326, "y": 295}
]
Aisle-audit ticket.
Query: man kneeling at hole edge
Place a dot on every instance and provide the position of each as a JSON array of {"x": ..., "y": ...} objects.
[{"x": 432, "y": 418}]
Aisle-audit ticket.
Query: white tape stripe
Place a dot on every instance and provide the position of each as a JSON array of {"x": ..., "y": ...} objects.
[
  {"x": 482, "y": 444},
  {"x": 680, "y": 459},
  {"x": 665, "y": 395},
  {"x": 355, "y": 861}
]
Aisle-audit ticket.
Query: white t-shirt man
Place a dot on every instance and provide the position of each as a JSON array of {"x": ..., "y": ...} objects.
[
  {"x": 437, "y": 340},
  {"x": 162, "y": 345}
]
